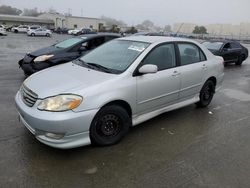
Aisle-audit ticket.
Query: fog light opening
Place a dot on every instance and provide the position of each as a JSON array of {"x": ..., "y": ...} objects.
[{"x": 54, "y": 136}]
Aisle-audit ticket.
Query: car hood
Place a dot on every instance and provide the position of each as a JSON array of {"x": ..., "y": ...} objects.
[
  {"x": 65, "y": 78},
  {"x": 45, "y": 51}
]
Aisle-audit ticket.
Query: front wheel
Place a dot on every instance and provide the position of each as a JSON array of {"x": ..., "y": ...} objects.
[
  {"x": 109, "y": 126},
  {"x": 32, "y": 34},
  {"x": 206, "y": 94},
  {"x": 47, "y": 35}
]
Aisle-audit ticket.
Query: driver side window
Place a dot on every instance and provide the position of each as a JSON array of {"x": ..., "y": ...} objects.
[
  {"x": 227, "y": 46},
  {"x": 162, "y": 56}
]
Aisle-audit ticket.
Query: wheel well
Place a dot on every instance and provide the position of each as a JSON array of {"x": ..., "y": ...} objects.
[
  {"x": 213, "y": 79},
  {"x": 121, "y": 103}
]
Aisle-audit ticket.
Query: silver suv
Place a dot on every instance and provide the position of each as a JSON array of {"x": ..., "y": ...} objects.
[{"x": 98, "y": 97}]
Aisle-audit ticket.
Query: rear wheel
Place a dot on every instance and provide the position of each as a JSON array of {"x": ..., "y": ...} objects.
[
  {"x": 32, "y": 34},
  {"x": 206, "y": 94},
  {"x": 16, "y": 31},
  {"x": 109, "y": 126},
  {"x": 240, "y": 60},
  {"x": 47, "y": 35}
]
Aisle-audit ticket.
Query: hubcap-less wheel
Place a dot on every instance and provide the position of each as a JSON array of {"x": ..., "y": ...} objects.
[
  {"x": 206, "y": 94},
  {"x": 110, "y": 124}
]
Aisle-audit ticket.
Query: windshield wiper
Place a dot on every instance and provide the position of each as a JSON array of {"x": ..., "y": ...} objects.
[
  {"x": 95, "y": 66},
  {"x": 100, "y": 67},
  {"x": 80, "y": 62}
]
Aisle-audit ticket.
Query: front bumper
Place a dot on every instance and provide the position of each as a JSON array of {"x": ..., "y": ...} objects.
[
  {"x": 73, "y": 125},
  {"x": 31, "y": 68}
]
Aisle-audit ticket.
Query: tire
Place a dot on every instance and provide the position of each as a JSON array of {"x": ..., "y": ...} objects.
[
  {"x": 241, "y": 58},
  {"x": 206, "y": 94},
  {"x": 47, "y": 35},
  {"x": 16, "y": 31},
  {"x": 32, "y": 34},
  {"x": 109, "y": 126}
]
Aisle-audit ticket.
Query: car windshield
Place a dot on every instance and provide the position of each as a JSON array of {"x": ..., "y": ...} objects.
[
  {"x": 213, "y": 45},
  {"x": 67, "y": 43},
  {"x": 116, "y": 55}
]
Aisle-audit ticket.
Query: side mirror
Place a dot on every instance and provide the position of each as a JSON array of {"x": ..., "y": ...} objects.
[
  {"x": 148, "y": 69},
  {"x": 225, "y": 49},
  {"x": 82, "y": 49}
]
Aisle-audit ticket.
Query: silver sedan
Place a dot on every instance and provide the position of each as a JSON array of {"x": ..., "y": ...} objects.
[
  {"x": 39, "y": 32},
  {"x": 97, "y": 98}
]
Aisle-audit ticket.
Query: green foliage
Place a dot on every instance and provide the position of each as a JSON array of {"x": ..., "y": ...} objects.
[
  {"x": 200, "y": 30},
  {"x": 115, "y": 29}
]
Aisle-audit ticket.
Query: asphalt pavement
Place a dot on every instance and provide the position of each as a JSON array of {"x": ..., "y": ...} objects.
[{"x": 189, "y": 147}]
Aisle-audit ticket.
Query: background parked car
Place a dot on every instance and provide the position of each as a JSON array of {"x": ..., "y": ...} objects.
[
  {"x": 20, "y": 29},
  {"x": 85, "y": 31},
  {"x": 62, "y": 52},
  {"x": 2, "y": 26},
  {"x": 39, "y": 32},
  {"x": 61, "y": 30},
  {"x": 231, "y": 51},
  {"x": 8, "y": 28},
  {"x": 2, "y": 31},
  {"x": 33, "y": 27}
]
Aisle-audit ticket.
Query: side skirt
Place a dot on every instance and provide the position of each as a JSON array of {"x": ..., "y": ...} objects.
[{"x": 144, "y": 117}]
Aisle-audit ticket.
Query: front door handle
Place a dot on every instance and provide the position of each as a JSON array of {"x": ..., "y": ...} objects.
[{"x": 176, "y": 73}]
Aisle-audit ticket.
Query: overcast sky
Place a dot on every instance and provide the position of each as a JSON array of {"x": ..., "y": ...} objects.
[{"x": 161, "y": 12}]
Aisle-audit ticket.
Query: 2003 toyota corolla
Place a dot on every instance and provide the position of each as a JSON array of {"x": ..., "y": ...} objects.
[{"x": 96, "y": 98}]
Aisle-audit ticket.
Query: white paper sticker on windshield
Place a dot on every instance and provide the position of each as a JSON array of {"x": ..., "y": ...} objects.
[{"x": 136, "y": 48}]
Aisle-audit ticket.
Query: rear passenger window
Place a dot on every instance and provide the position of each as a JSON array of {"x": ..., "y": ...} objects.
[
  {"x": 202, "y": 56},
  {"x": 190, "y": 53},
  {"x": 162, "y": 56},
  {"x": 235, "y": 45}
]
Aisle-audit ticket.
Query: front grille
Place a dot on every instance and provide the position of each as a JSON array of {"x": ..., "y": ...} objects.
[{"x": 28, "y": 96}]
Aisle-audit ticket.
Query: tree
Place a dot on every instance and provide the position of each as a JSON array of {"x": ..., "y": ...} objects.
[
  {"x": 132, "y": 30},
  {"x": 31, "y": 12},
  {"x": 167, "y": 28},
  {"x": 146, "y": 25},
  {"x": 9, "y": 10},
  {"x": 52, "y": 11},
  {"x": 200, "y": 30},
  {"x": 115, "y": 29},
  {"x": 110, "y": 22}
]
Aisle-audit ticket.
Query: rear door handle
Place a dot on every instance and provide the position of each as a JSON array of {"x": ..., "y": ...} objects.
[{"x": 204, "y": 66}]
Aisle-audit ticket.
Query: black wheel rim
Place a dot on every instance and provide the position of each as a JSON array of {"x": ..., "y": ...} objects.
[
  {"x": 108, "y": 125},
  {"x": 207, "y": 93}
]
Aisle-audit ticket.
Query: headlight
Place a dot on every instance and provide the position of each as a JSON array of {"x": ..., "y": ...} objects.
[
  {"x": 43, "y": 58},
  {"x": 60, "y": 103}
]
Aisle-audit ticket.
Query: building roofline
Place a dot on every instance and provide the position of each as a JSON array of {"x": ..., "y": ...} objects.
[{"x": 6, "y": 17}]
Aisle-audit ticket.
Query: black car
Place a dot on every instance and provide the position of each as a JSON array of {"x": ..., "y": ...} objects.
[
  {"x": 62, "y": 52},
  {"x": 85, "y": 31},
  {"x": 231, "y": 51}
]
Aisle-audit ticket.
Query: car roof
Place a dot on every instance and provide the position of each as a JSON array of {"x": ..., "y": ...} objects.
[
  {"x": 156, "y": 39},
  {"x": 223, "y": 41},
  {"x": 88, "y": 36}
]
